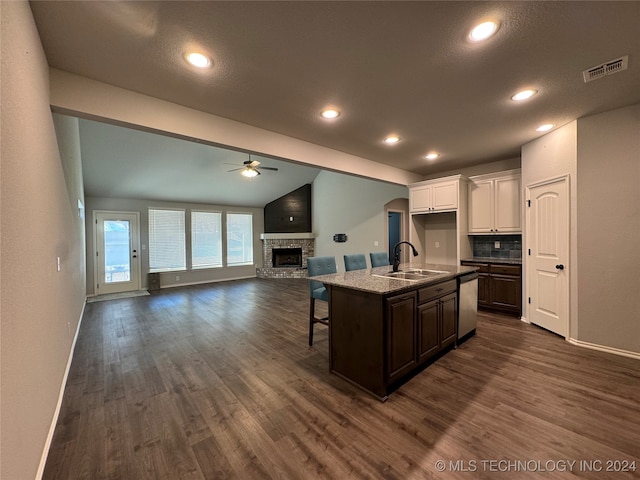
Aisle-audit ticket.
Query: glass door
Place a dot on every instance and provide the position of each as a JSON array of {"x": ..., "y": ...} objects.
[{"x": 117, "y": 252}]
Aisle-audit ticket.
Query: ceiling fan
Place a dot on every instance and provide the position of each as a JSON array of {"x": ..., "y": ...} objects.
[{"x": 251, "y": 168}]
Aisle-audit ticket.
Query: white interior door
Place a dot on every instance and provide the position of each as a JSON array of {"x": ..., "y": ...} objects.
[
  {"x": 117, "y": 261},
  {"x": 547, "y": 262}
]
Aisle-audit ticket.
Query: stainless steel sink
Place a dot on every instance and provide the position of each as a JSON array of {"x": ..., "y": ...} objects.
[
  {"x": 413, "y": 274},
  {"x": 420, "y": 271}
]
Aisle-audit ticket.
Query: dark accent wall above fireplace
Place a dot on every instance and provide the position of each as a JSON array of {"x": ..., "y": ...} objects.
[{"x": 290, "y": 213}]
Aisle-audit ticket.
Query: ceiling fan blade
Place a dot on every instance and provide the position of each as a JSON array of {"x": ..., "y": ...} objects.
[
  {"x": 235, "y": 169},
  {"x": 255, "y": 163},
  {"x": 234, "y": 164},
  {"x": 269, "y": 168}
]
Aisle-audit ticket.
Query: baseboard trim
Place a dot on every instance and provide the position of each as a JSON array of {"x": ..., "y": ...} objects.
[
  {"x": 56, "y": 413},
  {"x": 202, "y": 282},
  {"x": 604, "y": 348},
  {"x": 523, "y": 319}
]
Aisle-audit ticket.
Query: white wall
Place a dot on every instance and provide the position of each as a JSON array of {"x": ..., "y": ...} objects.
[
  {"x": 608, "y": 229},
  {"x": 40, "y": 186},
  {"x": 168, "y": 279},
  {"x": 550, "y": 156},
  {"x": 354, "y": 206}
]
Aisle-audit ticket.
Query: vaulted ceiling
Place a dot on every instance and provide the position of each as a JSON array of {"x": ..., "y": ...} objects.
[{"x": 390, "y": 67}]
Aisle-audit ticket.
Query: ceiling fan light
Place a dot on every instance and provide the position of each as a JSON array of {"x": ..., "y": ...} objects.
[{"x": 249, "y": 172}]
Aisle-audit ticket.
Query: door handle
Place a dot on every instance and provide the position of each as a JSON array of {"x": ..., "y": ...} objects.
[{"x": 560, "y": 267}]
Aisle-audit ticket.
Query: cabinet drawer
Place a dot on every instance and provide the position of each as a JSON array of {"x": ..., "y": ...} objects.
[
  {"x": 505, "y": 269},
  {"x": 482, "y": 267},
  {"x": 437, "y": 290}
]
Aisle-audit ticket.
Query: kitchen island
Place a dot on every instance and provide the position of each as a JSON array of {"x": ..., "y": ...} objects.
[{"x": 385, "y": 327}]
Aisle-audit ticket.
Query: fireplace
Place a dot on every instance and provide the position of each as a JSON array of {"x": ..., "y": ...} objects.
[
  {"x": 285, "y": 254},
  {"x": 286, "y": 257}
]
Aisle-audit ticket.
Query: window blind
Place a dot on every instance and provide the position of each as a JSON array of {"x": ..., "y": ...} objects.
[
  {"x": 166, "y": 240},
  {"x": 206, "y": 239}
]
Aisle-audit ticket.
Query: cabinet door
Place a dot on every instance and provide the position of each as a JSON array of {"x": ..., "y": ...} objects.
[
  {"x": 444, "y": 196},
  {"x": 481, "y": 206},
  {"x": 401, "y": 335},
  {"x": 484, "y": 297},
  {"x": 420, "y": 199},
  {"x": 507, "y": 205},
  {"x": 506, "y": 292},
  {"x": 448, "y": 319},
  {"x": 428, "y": 330}
]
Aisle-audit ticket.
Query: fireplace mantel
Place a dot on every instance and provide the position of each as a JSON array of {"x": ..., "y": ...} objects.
[{"x": 287, "y": 236}]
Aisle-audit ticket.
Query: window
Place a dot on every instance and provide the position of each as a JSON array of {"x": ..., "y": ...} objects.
[
  {"x": 239, "y": 239},
  {"x": 166, "y": 240},
  {"x": 206, "y": 239}
]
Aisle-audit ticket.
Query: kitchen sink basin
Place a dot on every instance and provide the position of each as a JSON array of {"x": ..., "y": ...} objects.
[
  {"x": 413, "y": 274},
  {"x": 424, "y": 272}
]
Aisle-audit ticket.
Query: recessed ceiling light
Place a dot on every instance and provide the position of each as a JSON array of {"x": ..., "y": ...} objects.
[
  {"x": 198, "y": 59},
  {"x": 523, "y": 95},
  {"x": 545, "y": 128},
  {"x": 432, "y": 156},
  {"x": 392, "y": 139},
  {"x": 330, "y": 113},
  {"x": 483, "y": 31}
]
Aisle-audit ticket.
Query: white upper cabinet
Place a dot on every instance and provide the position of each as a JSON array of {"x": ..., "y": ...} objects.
[
  {"x": 433, "y": 196},
  {"x": 495, "y": 203}
]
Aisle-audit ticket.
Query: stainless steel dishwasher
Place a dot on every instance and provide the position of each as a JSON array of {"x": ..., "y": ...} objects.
[{"x": 467, "y": 305}]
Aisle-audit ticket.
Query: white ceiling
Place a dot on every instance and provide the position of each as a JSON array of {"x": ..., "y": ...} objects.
[{"x": 401, "y": 67}]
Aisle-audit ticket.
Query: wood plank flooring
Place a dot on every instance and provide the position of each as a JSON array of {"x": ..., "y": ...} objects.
[{"x": 217, "y": 381}]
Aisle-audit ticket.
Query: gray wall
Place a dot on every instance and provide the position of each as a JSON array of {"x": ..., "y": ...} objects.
[
  {"x": 352, "y": 205},
  {"x": 168, "y": 279},
  {"x": 39, "y": 221},
  {"x": 609, "y": 229}
]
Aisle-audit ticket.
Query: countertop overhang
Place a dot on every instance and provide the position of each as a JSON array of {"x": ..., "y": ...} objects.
[{"x": 368, "y": 281}]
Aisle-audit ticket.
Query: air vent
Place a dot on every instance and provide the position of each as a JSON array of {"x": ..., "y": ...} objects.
[{"x": 608, "y": 68}]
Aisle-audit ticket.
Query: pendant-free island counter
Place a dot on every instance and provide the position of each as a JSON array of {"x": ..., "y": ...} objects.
[{"x": 385, "y": 326}]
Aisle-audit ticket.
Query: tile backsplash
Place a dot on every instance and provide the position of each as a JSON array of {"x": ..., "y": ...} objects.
[{"x": 510, "y": 246}]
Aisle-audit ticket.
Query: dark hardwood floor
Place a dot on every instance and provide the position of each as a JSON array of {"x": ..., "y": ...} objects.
[{"x": 217, "y": 381}]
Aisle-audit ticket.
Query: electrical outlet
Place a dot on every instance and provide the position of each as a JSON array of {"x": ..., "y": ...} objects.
[
  {"x": 376, "y": 243},
  {"x": 496, "y": 244},
  {"x": 177, "y": 277},
  {"x": 437, "y": 244},
  {"x": 58, "y": 263}
]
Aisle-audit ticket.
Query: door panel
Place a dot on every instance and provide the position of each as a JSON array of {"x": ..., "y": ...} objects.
[
  {"x": 548, "y": 276},
  {"x": 117, "y": 260}
]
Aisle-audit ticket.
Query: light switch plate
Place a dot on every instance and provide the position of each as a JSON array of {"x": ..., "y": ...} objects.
[{"x": 496, "y": 244}]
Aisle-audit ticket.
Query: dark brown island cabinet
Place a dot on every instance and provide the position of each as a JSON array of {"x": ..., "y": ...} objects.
[
  {"x": 380, "y": 339},
  {"x": 499, "y": 286}
]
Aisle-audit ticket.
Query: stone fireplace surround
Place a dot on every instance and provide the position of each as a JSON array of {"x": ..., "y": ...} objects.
[{"x": 305, "y": 241}]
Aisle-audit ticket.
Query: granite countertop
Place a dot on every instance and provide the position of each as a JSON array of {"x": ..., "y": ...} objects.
[
  {"x": 509, "y": 261},
  {"x": 368, "y": 281}
]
